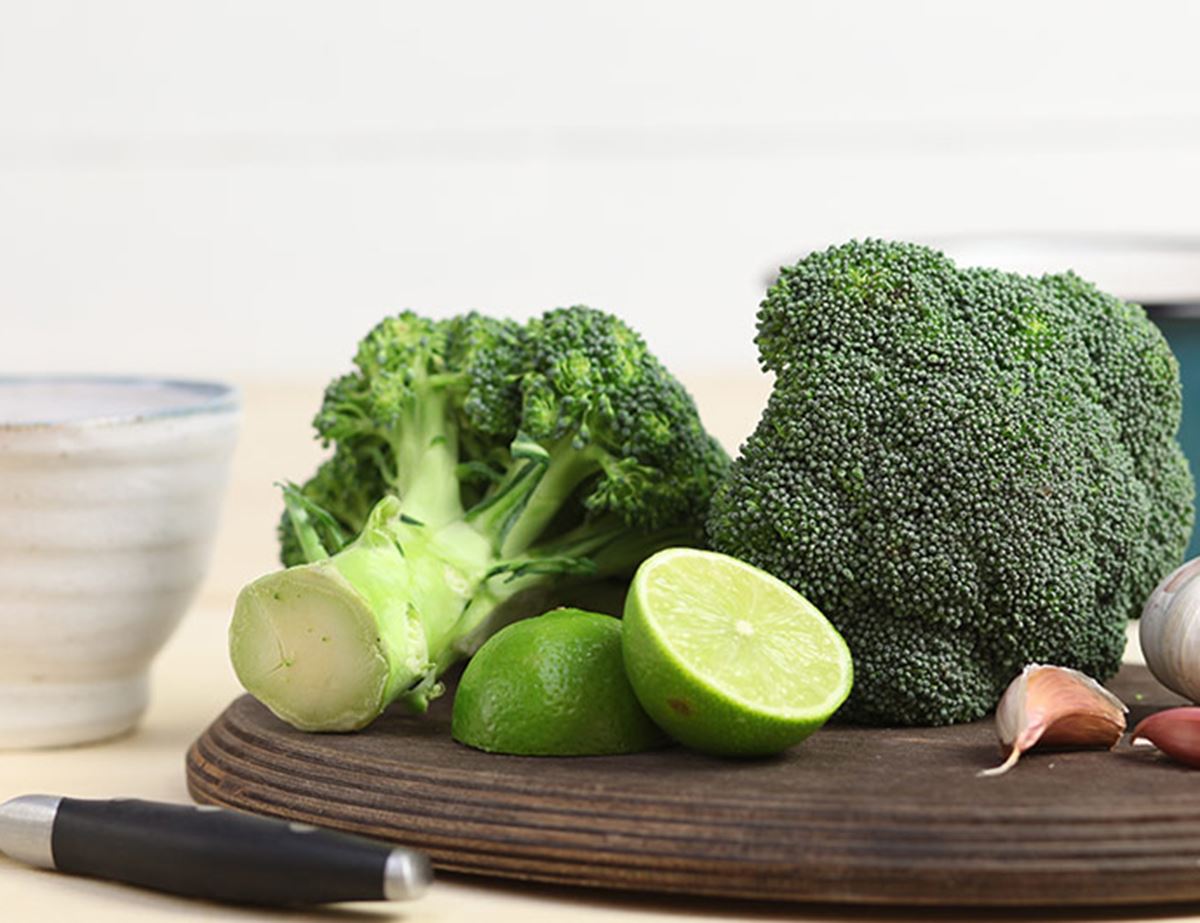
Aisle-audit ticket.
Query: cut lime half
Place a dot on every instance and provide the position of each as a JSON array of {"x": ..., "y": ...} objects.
[
  {"x": 553, "y": 685},
  {"x": 727, "y": 658}
]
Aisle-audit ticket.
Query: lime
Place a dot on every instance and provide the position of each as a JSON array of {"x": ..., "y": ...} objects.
[
  {"x": 728, "y": 659},
  {"x": 554, "y": 685}
]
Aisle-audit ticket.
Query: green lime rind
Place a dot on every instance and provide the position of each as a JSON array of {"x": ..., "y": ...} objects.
[
  {"x": 554, "y": 685},
  {"x": 728, "y": 659}
]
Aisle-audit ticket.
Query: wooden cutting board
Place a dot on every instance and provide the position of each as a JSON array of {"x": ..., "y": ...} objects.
[{"x": 894, "y": 816}]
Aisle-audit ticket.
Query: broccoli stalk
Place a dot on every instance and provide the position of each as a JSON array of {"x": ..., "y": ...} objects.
[{"x": 605, "y": 462}]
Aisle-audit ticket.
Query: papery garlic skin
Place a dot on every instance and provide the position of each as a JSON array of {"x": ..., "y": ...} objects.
[
  {"x": 1169, "y": 631},
  {"x": 1010, "y": 713},
  {"x": 1175, "y": 731},
  {"x": 1056, "y": 706}
]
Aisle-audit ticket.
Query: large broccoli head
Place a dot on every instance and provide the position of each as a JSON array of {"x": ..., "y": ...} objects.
[{"x": 966, "y": 470}]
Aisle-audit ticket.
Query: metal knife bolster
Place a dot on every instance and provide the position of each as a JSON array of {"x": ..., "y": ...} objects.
[{"x": 27, "y": 828}]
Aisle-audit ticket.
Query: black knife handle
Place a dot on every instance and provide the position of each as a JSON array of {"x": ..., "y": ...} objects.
[{"x": 219, "y": 854}]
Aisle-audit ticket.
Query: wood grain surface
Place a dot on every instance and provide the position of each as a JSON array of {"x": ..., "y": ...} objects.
[{"x": 894, "y": 816}]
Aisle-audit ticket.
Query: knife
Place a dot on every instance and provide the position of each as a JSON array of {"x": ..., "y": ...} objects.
[{"x": 207, "y": 852}]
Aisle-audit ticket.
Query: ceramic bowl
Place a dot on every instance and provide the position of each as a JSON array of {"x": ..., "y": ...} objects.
[{"x": 110, "y": 491}]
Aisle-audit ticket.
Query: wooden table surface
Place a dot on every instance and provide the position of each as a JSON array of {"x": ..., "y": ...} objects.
[{"x": 192, "y": 683}]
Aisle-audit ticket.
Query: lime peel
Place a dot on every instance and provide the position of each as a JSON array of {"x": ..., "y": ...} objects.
[{"x": 554, "y": 685}]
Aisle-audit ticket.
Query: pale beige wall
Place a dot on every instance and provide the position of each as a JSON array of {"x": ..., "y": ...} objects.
[{"x": 241, "y": 188}]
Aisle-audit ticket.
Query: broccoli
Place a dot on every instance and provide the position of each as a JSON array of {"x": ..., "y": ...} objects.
[
  {"x": 476, "y": 461},
  {"x": 966, "y": 470}
]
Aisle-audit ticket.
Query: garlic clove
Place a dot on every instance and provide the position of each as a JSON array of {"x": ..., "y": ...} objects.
[
  {"x": 1175, "y": 731},
  {"x": 1169, "y": 631},
  {"x": 1058, "y": 707}
]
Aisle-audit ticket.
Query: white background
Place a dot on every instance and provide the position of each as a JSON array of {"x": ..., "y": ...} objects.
[{"x": 242, "y": 188}]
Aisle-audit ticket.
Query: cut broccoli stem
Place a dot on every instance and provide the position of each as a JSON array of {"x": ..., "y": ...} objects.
[
  {"x": 307, "y": 643},
  {"x": 328, "y": 645}
]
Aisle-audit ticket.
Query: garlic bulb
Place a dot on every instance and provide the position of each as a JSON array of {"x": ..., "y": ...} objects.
[
  {"x": 1170, "y": 631},
  {"x": 1055, "y": 706}
]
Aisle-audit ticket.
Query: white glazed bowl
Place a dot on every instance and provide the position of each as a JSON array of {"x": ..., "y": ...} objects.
[{"x": 110, "y": 491}]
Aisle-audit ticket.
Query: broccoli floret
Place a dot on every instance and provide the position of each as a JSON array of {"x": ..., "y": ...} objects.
[
  {"x": 475, "y": 460},
  {"x": 966, "y": 470},
  {"x": 411, "y": 374}
]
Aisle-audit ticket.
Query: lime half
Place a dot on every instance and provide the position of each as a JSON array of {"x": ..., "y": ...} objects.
[
  {"x": 553, "y": 685},
  {"x": 728, "y": 659}
]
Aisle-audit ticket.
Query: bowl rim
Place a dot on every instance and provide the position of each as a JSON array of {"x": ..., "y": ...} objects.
[
  {"x": 1184, "y": 305},
  {"x": 215, "y": 397},
  {"x": 1133, "y": 241}
]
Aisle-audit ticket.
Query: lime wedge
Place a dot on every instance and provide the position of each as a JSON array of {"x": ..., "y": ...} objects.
[
  {"x": 553, "y": 685},
  {"x": 728, "y": 659}
]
